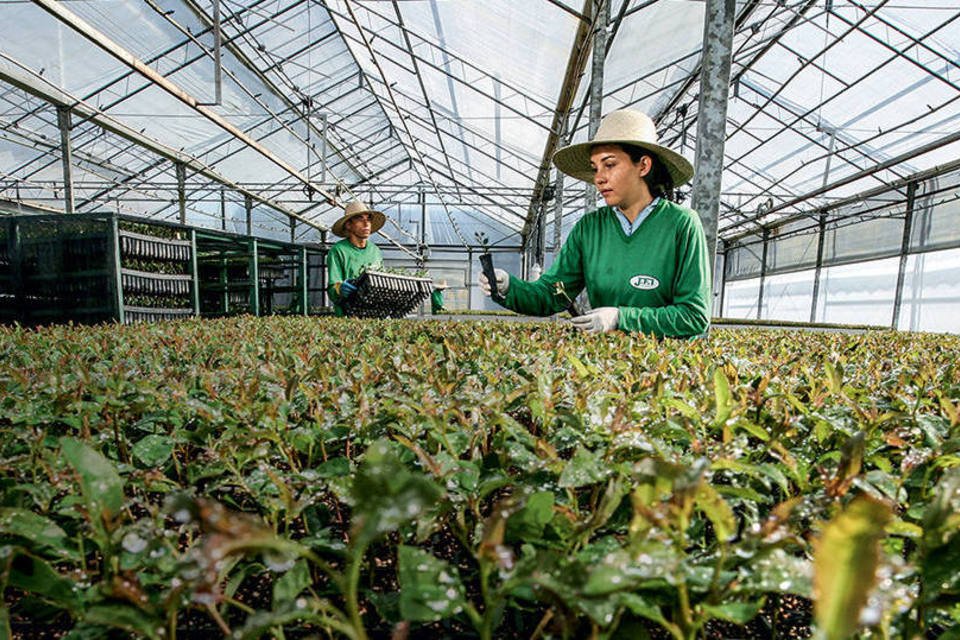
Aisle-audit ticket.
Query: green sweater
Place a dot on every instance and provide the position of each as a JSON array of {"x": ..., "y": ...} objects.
[
  {"x": 344, "y": 262},
  {"x": 659, "y": 277}
]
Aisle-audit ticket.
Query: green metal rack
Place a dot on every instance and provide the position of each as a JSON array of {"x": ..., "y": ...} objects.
[{"x": 89, "y": 268}]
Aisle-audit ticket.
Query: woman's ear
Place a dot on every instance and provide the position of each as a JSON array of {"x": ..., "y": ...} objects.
[{"x": 645, "y": 165}]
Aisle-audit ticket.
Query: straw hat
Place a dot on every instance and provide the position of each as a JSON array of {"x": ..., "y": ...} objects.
[
  {"x": 622, "y": 127},
  {"x": 354, "y": 209},
  {"x": 441, "y": 285}
]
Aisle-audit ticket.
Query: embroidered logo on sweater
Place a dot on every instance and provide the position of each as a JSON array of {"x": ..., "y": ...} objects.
[{"x": 644, "y": 283}]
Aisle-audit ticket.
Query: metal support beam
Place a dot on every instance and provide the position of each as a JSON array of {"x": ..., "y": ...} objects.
[
  {"x": 182, "y": 191},
  {"x": 723, "y": 282},
  {"x": 82, "y": 27},
  {"x": 904, "y": 250},
  {"x": 304, "y": 277},
  {"x": 248, "y": 206},
  {"x": 14, "y": 74},
  {"x": 66, "y": 153},
  {"x": 763, "y": 273},
  {"x": 821, "y": 235},
  {"x": 254, "y": 277},
  {"x": 115, "y": 271},
  {"x": 194, "y": 274},
  {"x": 217, "y": 44},
  {"x": 596, "y": 86},
  {"x": 223, "y": 209},
  {"x": 323, "y": 268},
  {"x": 576, "y": 64},
  {"x": 712, "y": 118}
]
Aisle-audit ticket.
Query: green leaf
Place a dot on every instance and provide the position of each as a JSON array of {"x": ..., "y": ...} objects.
[
  {"x": 723, "y": 401},
  {"x": 845, "y": 565},
  {"x": 35, "y": 575},
  {"x": 124, "y": 617},
  {"x": 640, "y": 606},
  {"x": 529, "y": 522},
  {"x": 43, "y": 533},
  {"x": 585, "y": 467},
  {"x": 387, "y": 494},
  {"x": 291, "y": 584},
  {"x": 333, "y": 468},
  {"x": 778, "y": 572},
  {"x": 429, "y": 588},
  {"x": 718, "y": 511},
  {"x": 736, "y": 612},
  {"x": 941, "y": 518},
  {"x": 153, "y": 450},
  {"x": 100, "y": 483},
  {"x": 940, "y": 572},
  {"x": 5, "y": 632}
]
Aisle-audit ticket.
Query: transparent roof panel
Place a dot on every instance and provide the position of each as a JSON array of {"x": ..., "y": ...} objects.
[{"x": 455, "y": 99}]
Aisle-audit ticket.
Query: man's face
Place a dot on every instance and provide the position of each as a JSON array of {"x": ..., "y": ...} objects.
[{"x": 360, "y": 226}]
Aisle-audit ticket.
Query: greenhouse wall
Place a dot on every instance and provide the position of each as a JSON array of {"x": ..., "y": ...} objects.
[{"x": 853, "y": 264}]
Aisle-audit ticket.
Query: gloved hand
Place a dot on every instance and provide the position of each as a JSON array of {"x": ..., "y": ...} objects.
[
  {"x": 347, "y": 289},
  {"x": 503, "y": 282},
  {"x": 599, "y": 320}
]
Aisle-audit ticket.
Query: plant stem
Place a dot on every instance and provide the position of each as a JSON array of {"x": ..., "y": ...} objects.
[{"x": 352, "y": 586}]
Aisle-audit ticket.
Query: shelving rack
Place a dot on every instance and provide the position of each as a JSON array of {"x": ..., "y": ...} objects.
[{"x": 89, "y": 268}]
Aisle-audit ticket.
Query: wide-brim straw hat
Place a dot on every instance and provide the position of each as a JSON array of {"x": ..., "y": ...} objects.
[
  {"x": 441, "y": 285},
  {"x": 625, "y": 126},
  {"x": 354, "y": 209}
]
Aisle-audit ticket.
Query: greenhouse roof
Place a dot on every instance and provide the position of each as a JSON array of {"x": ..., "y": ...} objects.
[{"x": 451, "y": 104}]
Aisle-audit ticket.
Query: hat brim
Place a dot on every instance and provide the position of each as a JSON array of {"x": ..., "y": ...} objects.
[
  {"x": 377, "y": 220},
  {"x": 574, "y": 160}
]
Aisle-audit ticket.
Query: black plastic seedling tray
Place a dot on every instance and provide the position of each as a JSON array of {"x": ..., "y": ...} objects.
[{"x": 386, "y": 295}]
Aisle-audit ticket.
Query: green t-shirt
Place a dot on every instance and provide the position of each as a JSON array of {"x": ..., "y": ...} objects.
[
  {"x": 436, "y": 301},
  {"x": 658, "y": 277},
  {"x": 344, "y": 262}
]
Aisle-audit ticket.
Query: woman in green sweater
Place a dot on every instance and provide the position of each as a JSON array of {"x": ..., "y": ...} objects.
[
  {"x": 349, "y": 257},
  {"x": 642, "y": 258}
]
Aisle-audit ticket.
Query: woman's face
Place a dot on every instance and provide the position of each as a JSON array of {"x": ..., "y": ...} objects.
[{"x": 617, "y": 177}]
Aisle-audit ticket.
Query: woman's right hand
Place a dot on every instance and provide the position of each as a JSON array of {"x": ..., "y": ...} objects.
[{"x": 503, "y": 282}]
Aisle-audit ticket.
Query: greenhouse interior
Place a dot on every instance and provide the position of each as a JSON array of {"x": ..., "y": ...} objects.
[{"x": 194, "y": 442}]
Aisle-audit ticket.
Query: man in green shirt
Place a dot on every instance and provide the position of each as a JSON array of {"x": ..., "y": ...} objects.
[
  {"x": 349, "y": 257},
  {"x": 642, "y": 258},
  {"x": 436, "y": 297}
]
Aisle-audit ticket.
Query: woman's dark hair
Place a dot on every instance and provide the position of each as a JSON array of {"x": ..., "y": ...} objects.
[{"x": 658, "y": 179}]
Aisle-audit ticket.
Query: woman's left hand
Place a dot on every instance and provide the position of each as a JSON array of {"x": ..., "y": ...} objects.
[{"x": 599, "y": 320}]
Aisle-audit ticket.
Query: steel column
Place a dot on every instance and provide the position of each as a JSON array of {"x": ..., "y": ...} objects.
[
  {"x": 182, "y": 191},
  {"x": 66, "y": 153},
  {"x": 904, "y": 250},
  {"x": 115, "y": 271},
  {"x": 712, "y": 119},
  {"x": 194, "y": 274},
  {"x": 763, "y": 273},
  {"x": 223, "y": 209},
  {"x": 323, "y": 268},
  {"x": 248, "y": 205},
  {"x": 304, "y": 277},
  {"x": 822, "y": 232},
  {"x": 596, "y": 86},
  {"x": 254, "y": 277}
]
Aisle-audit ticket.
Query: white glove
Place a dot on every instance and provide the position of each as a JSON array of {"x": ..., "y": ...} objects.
[
  {"x": 599, "y": 320},
  {"x": 503, "y": 282}
]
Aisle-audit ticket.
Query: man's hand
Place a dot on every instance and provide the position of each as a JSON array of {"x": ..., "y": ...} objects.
[
  {"x": 347, "y": 289},
  {"x": 599, "y": 320},
  {"x": 503, "y": 282}
]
